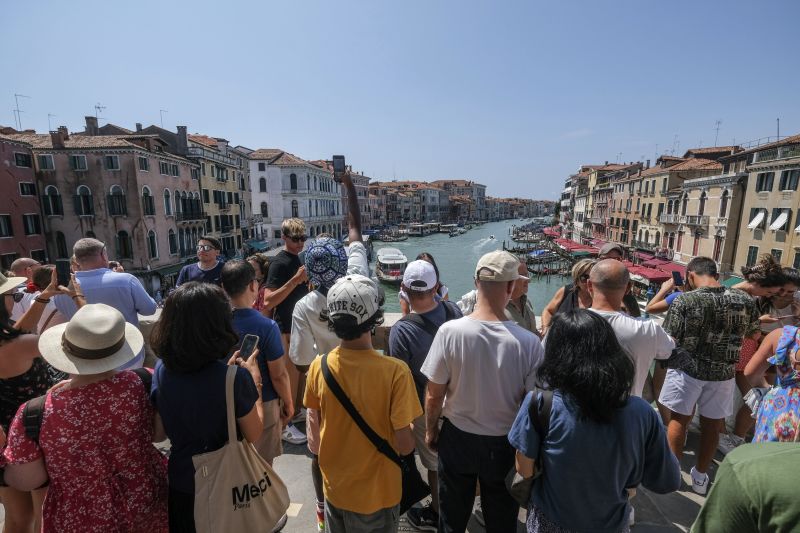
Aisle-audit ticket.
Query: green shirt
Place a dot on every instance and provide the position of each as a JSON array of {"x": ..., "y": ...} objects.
[
  {"x": 526, "y": 319},
  {"x": 755, "y": 490}
]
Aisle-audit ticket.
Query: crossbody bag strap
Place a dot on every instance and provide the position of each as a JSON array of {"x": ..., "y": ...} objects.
[
  {"x": 540, "y": 416},
  {"x": 379, "y": 442},
  {"x": 230, "y": 377}
]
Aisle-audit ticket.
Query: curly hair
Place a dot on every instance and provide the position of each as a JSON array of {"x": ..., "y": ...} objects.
[{"x": 767, "y": 272}]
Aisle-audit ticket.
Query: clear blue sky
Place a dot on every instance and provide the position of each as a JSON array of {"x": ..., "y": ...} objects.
[{"x": 515, "y": 95}]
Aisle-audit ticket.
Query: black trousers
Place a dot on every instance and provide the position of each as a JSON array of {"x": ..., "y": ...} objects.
[
  {"x": 465, "y": 459},
  {"x": 181, "y": 512}
]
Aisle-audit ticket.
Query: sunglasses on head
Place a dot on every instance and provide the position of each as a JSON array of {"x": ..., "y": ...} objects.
[
  {"x": 301, "y": 238},
  {"x": 204, "y": 248},
  {"x": 18, "y": 296}
]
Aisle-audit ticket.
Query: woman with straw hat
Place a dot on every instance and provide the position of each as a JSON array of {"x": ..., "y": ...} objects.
[{"x": 96, "y": 432}]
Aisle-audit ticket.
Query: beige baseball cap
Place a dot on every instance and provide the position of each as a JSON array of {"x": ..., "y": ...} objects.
[{"x": 498, "y": 266}]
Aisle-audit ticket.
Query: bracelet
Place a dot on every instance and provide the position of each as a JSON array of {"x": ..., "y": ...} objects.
[
  {"x": 42, "y": 300},
  {"x": 78, "y": 296}
]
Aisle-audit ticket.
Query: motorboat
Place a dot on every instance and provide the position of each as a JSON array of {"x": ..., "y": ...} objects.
[
  {"x": 491, "y": 236},
  {"x": 390, "y": 265}
]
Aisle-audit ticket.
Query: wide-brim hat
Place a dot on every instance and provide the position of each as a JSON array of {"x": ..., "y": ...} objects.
[
  {"x": 7, "y": 284},
  {"x": 97, "y": 339}
]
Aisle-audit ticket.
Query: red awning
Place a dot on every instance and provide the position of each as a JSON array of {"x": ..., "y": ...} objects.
[
  {"x": 653, "y": 263},
  {"x": 643, "y": 256},
  {"x": 551, "y": 232},
  {"x": 674, "y": 267},
  {"x": 650, "y": 273}
]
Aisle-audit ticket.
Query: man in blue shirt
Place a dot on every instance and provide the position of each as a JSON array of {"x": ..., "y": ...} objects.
[
  {"x": 101, "y": 285},
  {"x": 208, "y": 268},
  {"x": 238, "y": 279}
]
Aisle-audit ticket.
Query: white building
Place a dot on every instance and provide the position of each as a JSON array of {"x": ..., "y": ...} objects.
[{"x": 285, "y": 186}]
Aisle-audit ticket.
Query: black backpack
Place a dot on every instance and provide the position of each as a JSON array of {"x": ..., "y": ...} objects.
[{"x": 426, "y": 324}]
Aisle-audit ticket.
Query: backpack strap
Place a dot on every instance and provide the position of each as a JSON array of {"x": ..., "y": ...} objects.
[
  {"x": 32, "y": 414},
  {"x": 539, "y": 412},
  {"x": 146, "y": 377},
  {"x": 415, "y": 318}
]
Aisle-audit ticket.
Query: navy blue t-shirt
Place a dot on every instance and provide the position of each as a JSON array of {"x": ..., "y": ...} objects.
[
  {"x": 410, "y": 343},
  {"x": 192, "y": 407},
  {"x": 193, "y": 272},
  {"x": 588, "y": 466},
  {"x": 252, "y": 322}
]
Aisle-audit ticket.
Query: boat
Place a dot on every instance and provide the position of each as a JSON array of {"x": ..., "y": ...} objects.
[
  {"x": 454, "y": 233},
  {"x": 391, "y": 236},
  {"x": 491, "y": 236},
  {"x": 391, "y": 265}
]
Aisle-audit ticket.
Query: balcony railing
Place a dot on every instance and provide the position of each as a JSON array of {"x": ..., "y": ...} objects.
[
  {"x": 695, "y": 220},
  {"x": 780, "y": 152},
  {"x": 597, "y": 220},
  {"x": 643, "y": 245},
  {"x": 196, "y": 151},
  {"x": 671, "y": 218},
  {"x": 187, "y": 216}
]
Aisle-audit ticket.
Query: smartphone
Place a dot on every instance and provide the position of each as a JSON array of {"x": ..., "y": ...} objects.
[
  {"x": 63, "y": 271},
  {"x": 248, "y": 345},
  {"x": 339, "y": 167},
  {"x": 676, "y": 277}
]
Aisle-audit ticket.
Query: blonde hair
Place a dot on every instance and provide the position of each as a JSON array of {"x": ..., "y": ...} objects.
[
  {"x": 293, "y": 226},
  {"x": 580, "y": 268}
]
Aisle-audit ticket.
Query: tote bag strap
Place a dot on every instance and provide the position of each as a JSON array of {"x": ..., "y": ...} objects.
[{"x": 230, "y": 377}]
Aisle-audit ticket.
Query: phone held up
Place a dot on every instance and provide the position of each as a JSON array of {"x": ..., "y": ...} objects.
[
  {"x": 248, "y": 345},
  {"x": 676, "y": 277},
  {"x": 63, "y": 271},
  {"x": 339, "y": 168}
]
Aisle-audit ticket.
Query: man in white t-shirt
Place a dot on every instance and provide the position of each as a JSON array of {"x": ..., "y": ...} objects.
[
  {"x": 24, "y": 266},
  {"x": 479, "y": 368},
  {"x": 643, "y": 339}
]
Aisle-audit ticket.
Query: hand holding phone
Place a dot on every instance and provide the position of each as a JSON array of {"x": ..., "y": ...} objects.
[
  {"x": 339, "y": 168},
  {"x": 676, "y": 276},
  {"x": 63, "y": 271},
  {"x": 249, "y": 344}
]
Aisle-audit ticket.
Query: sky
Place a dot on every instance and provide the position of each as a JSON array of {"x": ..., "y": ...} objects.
[{"x": 513, "y": 94}]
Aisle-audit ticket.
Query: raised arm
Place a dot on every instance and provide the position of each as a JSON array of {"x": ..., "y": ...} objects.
[
  {"x": 353, "y": 212},
  {"x": 658, "y": 303},
  {"x": 551, "y": 308}
]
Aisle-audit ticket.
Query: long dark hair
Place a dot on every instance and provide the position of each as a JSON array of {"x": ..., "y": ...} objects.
[
  {"x": 195, "y": 328},
  {"x": 584, "y": 360},
  {"x": 7, "y": 331}
]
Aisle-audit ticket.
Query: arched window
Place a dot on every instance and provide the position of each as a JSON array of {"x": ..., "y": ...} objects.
[
  {"x": 295, "y": 211},
  {"x": 116, "y": 202},
  {"x": 173, "y": 242},
  {"x": 84, "y": 203},
  {"x": 293, "y": 182},
  {"x": 264, "y": 209},
  {"x": 723, "y": 204},
  {"x": 167, "y": 203},
  {"x": 262, "y": 185},
  {"x": 152, "y": 244},
  {"x": 51, "y": 203},
  {"x": 61, "y": 246},
  {"x": 124, "y": 246},
  {"x": 658, "y": 238},
  {"x": 148, "y": 202},
  {"x": 311, "y": 232},
  {"x": 308, "y": 182},
  {"x": 701, "y": 209},
  {"x": 177, "y": 202},
  {"x": 685, "y": 204},
  {"x": 315, "y": 183},
  {"x": 647, "y": 236},
  {"x": 181, "y": 242},
  {"x": 194, "y": 237}
]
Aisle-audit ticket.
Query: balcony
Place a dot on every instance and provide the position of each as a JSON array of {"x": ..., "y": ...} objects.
[
  {"x": 643, "y": 245},
  {"x": 188, "y": 216},
  {"x": 695, "y": 220},
  {"x": 781, "y": 152},
  {"x": 196, "y": 151},
  {"x": 597, "y": 220},
  {"x": 671, "y": 218}
]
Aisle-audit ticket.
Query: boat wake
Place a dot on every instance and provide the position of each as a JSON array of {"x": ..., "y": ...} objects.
[{"x": 481, "y": 243}]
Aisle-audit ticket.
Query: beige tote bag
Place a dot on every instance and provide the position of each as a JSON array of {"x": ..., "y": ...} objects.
[{"x": 235, "y": 489}]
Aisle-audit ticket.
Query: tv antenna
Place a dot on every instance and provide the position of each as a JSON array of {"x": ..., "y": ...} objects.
[
  {"x": 619, "y": 157},
  {"x": 716, "y": 127},
  {"x": 50, "y": 126},
  {"x": 161, "y": 114},
  {"x": 98, "y": 108},
  {"x": 675, "y": 144},
  {"x": 17, "y": 110},
  {"x": 656, "y": 154}
]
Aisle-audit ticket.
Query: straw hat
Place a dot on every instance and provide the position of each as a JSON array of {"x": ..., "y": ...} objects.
[
  {"x": 97, "y": 339},
  {"x": 7, "y": 284}
]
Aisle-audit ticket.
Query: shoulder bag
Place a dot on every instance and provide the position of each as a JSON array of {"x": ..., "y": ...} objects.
[
  {"x": 235, "y": 489},
  {"x": 414, "y": 488},
  {"x": 520, "y": 487}
]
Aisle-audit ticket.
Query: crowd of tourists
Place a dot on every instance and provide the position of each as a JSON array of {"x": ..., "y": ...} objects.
[{"x": 557, "y": 423}]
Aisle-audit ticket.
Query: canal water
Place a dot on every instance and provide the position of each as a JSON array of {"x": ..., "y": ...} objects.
[{"x": 456, "y": 258}]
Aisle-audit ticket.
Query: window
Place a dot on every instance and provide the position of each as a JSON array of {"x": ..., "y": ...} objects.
[
  {"x": 264, "y": 209},
  {"x": 167, "y": 203},
  {"x": 776, "y": 214},
  {"x": 293, "y": 182},
  {"x": 23, "y": 160},
  {"x": 684, "y": 204},
  {"x": 77, "y": 162},
  {"x": 84, "y": 203},
  {"x": 277, "y": 234},
  {"x": 295, "y": 212},
  {"x": 764, "y": 181},
  {"x": 195, "y": 174},
  {"x": 702, "y": 208},
  {"x": 174, "y": 170},
  {"x": 163, "y": 168},
  {"x": 144, "y": 164},
  {"x": 217, "y": 224},
  {"x": 262, "y": 167},
  {"x": 148, "y": 202},
  {"x": 205, "y": 196},
  {"x": 32, "y": 224},
  {"x": 6, "y": 229},
  {"x": 776, "y": 253},
  {"x": 789, "y": 179},
  {"x": 173, "y": 242},
  {"x": 796, "y": 264},
  {"x": 236, "y": 197},
  {"x": 203, "y": 168},
  {"x": 51, "y": 202},
  {"x": 723, "y": 204},
  {"x": 660, "y": 210},
  {"x": 752, "y": 255},
  {"x": 177, "y": 202},
  {"x": 111, "y": 162},
  {"x": 39, "y": 255},
  {"x": 237, "y": 221},
  {"x": 27, "y": 188},
  {"x": 213, "y": 171},
  {"x": 124, "y": 246},
  {"x": 116, "y": 202},
  {"x": 717, "y": 248},
  {"x": 46, "y": 162},
  {"x": 152, "y": 245},
  {"x": 664, "y": 185}
]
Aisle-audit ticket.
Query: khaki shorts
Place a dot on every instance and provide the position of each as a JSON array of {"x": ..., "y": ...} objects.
[
  {"x": 269, "y": 445},
  {"x": 428, "y": 457}
]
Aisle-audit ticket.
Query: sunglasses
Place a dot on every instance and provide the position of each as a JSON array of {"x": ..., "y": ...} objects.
[
  {"x": 205, "y": 248},
  {"x": 301, "y": 238},
  {"x": 585, "y": 277},
  {"x": 18, "y": 296}
]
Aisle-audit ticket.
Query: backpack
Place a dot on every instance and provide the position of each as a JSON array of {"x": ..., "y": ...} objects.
[
  {"x": 33, "y": 411},
  {"x": 425, "y": 323}
]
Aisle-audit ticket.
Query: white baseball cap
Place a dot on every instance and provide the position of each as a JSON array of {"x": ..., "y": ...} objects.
[
  {"x": 354, "y": 295},
  {"x": 498, "y": 265},
  {"x": 419, "y": 276}
]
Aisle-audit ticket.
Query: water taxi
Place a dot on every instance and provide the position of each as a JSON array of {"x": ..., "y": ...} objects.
[{"x": 391, "y": 265}]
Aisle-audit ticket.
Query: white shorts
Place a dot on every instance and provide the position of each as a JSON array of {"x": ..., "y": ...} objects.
[{"x": 681, "y": 392}]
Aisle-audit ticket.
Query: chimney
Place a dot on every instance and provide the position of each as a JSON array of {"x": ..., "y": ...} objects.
[
  {"x": 648, "y": 164},
  {"x": 91, "y": 126},
  {"x": 138, "y": 126},
  {"x": 183, "y": 141},
  {"x": 57, "y": 139},
  {"x": 606, "y": 162},
  {"x": 64, "y": 132}
]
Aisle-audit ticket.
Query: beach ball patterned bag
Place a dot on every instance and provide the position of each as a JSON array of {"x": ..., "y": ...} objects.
[{"x": 779, "y": 412}]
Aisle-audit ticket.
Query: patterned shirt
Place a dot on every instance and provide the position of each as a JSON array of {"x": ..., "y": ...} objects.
[{"x": 708, "y": 325}]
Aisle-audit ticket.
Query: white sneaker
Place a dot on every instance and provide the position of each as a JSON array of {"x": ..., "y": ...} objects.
[
  {"x": 699, "y": 482},
  {"x": 292, "y": 435},
  {"x": 631, "y": 517},
  {"x": 300, "y": 417},
  {"x": 478, "y": 512},
  {"x": 728, "y": 442}
]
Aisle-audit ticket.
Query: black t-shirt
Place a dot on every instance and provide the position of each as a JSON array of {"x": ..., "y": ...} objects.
[{"x": 281, "y": 270}]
